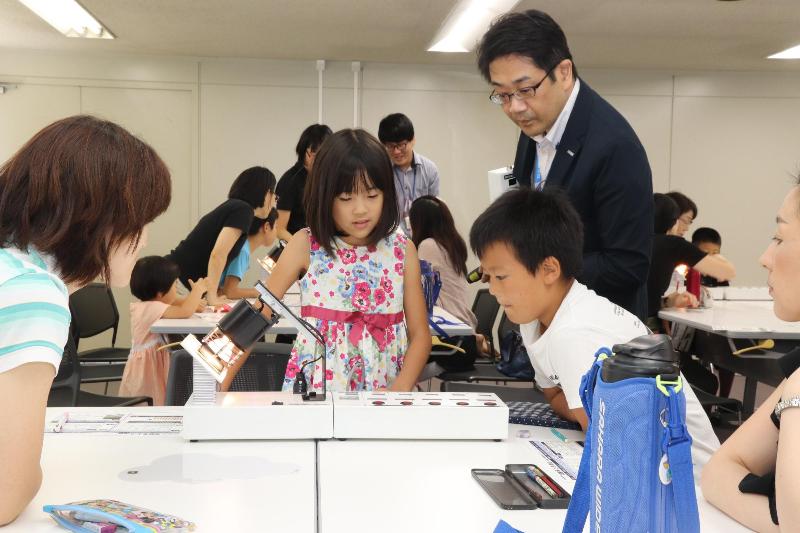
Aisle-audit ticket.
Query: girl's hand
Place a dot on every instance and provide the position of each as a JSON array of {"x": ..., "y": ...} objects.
[
  {"x": 214, "y": 300},
  {"x": 199, "y": 285},
  {"x": 395, "y": 387},
  {"x": 201, "y": 307}
]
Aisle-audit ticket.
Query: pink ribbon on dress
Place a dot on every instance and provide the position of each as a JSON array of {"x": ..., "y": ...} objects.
[{"x": 375, "y": 323}]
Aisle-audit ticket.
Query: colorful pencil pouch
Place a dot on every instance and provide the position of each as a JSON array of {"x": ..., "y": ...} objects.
[{"x": 111, "y": 516}]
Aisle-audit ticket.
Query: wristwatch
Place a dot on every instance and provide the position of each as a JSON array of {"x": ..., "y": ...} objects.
[{"x": 785, "y": 404}]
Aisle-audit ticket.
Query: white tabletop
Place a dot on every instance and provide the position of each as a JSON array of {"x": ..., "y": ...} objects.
[
  {"x": 200, "y": 325},
  {"x": 736, "y": 320},
  {"x": 221, "y": 486},
  {"x": 274, "y": 486},
  {"x": 401, "y": 486}
]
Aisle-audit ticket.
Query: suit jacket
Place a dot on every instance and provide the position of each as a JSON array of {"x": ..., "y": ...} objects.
[{"x": 603, "y": 168}]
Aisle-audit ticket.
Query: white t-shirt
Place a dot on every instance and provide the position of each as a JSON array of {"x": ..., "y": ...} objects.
[{"x": 584, "y": 323}]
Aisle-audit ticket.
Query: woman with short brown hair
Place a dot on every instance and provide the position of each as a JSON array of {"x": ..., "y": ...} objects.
[{"x": 74, "y": 205}]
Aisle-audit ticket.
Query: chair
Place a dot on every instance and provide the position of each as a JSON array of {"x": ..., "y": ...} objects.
[
  {"x": 505, "y": 326},
  {"x": 485, "y": 307},
  {"x": 263, "y": 370},
  {"x": 484, "y": 372},
  {"x": 66, "y": 388},
  {"x": 724, "y": 412},
  {"x": 94, "y": 311}
]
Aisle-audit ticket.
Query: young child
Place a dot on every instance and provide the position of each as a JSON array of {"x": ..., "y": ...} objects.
[
  {"x": 262, "y": 233},
  {"x": 530, "y": 247},
  {"x": 362, "y": 284},
  {"x": 709, "y": 241},
  {"x": 154, "y": 281}
]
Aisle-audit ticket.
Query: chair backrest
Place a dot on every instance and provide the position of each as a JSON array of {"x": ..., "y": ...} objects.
[
  {"x": 67, "y": 383},
  {"x": 505, "y": 326},
  {"x": 94, "y": 311},
  {"x": 485, "y": 307},
  {"x": 264, "y": 370}
]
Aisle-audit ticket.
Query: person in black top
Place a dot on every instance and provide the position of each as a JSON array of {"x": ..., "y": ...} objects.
[
  {"x": 753, "y": 477},
  {"x": 291, "y": 212},
  {"x": 218, "y": 237},
  {"x": 669, "y": 251}
]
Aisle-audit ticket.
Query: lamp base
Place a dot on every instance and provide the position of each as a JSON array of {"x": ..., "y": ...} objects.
[{"x": 257, "y": 416}]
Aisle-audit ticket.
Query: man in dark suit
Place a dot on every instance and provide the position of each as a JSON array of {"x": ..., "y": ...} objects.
[{"x": 574, "y": 140}]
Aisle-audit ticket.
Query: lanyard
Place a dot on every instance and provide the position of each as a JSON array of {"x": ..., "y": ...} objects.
[
  {"x": 537, "y": 175},
  {"x": 408, "y": 198}
]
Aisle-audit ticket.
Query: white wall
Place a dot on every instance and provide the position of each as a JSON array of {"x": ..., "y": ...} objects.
[{"x": 728, "y": 140}]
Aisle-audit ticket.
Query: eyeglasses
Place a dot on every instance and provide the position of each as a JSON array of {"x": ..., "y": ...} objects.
[
  {"x": 522, "y": 93},
  {"x": 397, "y": 147},
  {"x": 686, "y": 220}
]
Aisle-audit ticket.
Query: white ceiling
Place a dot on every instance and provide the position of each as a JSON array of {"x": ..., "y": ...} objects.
[{"x": 659, "y": 34}]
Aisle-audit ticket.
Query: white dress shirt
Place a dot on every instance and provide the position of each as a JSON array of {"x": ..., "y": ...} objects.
[{"x": 546, "y": 144}]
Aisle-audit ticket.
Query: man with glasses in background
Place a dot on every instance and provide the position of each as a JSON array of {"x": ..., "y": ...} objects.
[
  {"x": 574, "y": 140},
  {"x": 414, "y": 174}
]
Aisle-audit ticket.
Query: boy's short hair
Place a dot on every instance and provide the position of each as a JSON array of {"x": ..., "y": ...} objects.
[
  {"x": 252, "y": 185},
  {"x": 258, "y": 223},
  {"x": 152, "y": 275},
  {"x": 347, "y": 160},
  {"x": 665, "y": 213},
  {"x": 395, "y": 128},
  {"x": 711, "y": 235},
  {"x": 685, "y": 204},
  {"x": 535, "y": 225}
]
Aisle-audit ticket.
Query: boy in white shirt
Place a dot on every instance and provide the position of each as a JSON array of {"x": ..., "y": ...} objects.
[{"x": 530, "y": 245}]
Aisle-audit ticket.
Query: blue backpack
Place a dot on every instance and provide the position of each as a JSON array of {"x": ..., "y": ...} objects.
[{"x": 636, "y": 470}]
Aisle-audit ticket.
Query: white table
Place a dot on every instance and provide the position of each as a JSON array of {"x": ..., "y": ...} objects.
[
  {"x": 221, "y": 486},
  {"x": 736, "y": 320},
  {"x": 327, "y": 487},
  {"x": 745, "y": 321},
  {"x": 401, "y": 486},
  {"x": 201, "y": 325}
]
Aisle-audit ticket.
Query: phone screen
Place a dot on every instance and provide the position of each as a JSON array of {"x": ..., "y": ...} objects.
[{"x": 501, "y": 489}]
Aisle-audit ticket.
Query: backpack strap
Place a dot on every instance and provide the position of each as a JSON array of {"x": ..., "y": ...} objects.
[
  {"x": 677, "y": 444},
  {"x": 579, "y": 503}
]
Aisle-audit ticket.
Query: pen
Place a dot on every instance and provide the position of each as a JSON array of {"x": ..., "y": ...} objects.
[
  {"x": 532, "y": 473},
  {"x": 59, "y": 425},
  {"x": 545, "y": 482},
  {"x": 558, "y": 434}
]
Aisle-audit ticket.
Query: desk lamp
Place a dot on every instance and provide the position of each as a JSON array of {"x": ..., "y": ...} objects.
[{"x": 241, "y": 328}]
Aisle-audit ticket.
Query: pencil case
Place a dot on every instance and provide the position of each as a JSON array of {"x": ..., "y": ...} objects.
[{"x": 111, "y": 516}]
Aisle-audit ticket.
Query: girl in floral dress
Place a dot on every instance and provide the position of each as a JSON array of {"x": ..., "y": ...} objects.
[{"x": 359, "y": 274}]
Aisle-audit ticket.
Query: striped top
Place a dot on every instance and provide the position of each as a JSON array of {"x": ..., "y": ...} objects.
[{"x": 34, "y": 310}]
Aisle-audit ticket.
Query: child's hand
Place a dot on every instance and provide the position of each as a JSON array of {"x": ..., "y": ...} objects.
[
  {"x": 201, "y": 307},
  {"x": 199, "y": 285},
  {"x": 682, "y": 299},
  {"x": 397, "y": 387}
]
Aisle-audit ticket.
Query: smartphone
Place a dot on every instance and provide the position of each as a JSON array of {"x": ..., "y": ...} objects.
[{"x": 502, "y": 489}]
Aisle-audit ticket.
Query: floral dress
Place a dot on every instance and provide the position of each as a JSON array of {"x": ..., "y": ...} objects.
[{"x": 355, "y": 299}]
